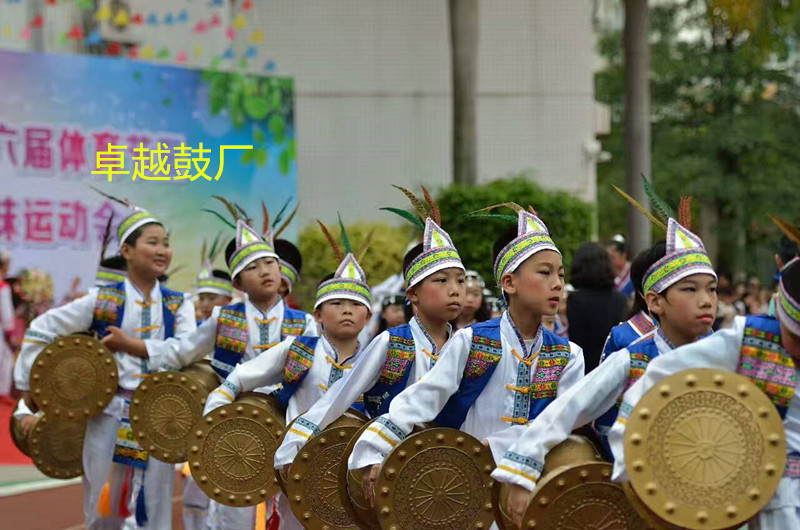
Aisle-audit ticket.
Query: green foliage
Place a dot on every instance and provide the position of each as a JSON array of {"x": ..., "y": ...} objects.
[
  {"x": 383, "y": 258},
  {"x": 725, "y": 104},
  {"x": 568, "y": 219},
  {"x": 267, "y": 102}
]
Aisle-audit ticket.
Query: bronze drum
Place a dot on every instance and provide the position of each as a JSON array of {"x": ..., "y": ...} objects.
[
  {"x": 351, "y": 494},
  {"x": 167, "y": 407},
  {"x": 56, "y": 447},
  {"x": 313, "y": 478},
  {"x": 74, "y": 378},
  {"x": 19, "y": 439},
  {"x": 438, "y": 478},
  {"x": 705, "y": 449},
  {"x": 231, "y": 457}
]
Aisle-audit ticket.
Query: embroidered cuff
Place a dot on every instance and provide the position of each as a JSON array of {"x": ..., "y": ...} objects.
[
  {"x": 234, "y": 390},
  {"x": 387, "y": 433},
  {"x": 518, "y": 469},
  {"x": 38, "y": 337},
  {"x": 625, "y": 410}
]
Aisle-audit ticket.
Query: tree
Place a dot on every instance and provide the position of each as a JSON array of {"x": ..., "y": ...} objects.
[
  {"x": 637, "y": 114},
  {"x": 725, "y": 107},
  {"x": 464, "y": 58}
]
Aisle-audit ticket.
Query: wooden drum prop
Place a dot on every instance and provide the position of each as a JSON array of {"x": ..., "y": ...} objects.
[
  {"x": 705, "y": 449},
  {"x": 313, "y": 478},
  {"x": 167, "y": 407},
  {"x": 231, "y": 456},
  {"x": 56, "y": 446},
  {"x": 574, "y": 491},
  {"x": 438, "y": 478},
  {"x": 74, "y": 378}
]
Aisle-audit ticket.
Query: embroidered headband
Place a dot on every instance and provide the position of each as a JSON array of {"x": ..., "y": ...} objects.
[
  {"x": 438, "y": 252},
  {"x": 787, "y": 307},
  {"x": 206, "y": 281},
  {"x": 532, "y": 237},
  {"x": 137, "y": 218},
  {"x": 290, "y": 260},
  {"x": 685, "y": 255},
  {"x": 349, "y": 282}
]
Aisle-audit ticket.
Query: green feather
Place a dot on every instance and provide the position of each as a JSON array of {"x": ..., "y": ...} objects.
[
  {"x": 657, "y": 202},
  {"x": 413, "y": 219},
  {"x": 221, "y": 218},
  {"x": 279, "y": 217},
  {"x": 345, "y": 239},
  {"x": 504, "y": 217}
]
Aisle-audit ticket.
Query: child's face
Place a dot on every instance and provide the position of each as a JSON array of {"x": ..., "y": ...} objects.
[
  {"x": 473, "y": 298},
  {"x": 689, "y": 306},
  {"x": 206, "y": 303},
  {"x": 260, "y": 279},
  {"x": 538, "y": 283},
  {"x": 393, "y": 315},
  {"x": 342, "y": 319},
  {"x": 150, "y": 255},
  {"x": 440, "y": 295}
]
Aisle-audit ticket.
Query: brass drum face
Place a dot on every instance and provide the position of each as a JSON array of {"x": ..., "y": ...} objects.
[
  {"x": 581, "y": 496},
  {"x": 167, "y": 407},
  {"x": 436, "y": 479},
  {"x": 57, "y": 447},
  {"x": 15, "y": 427},
  {"x": 351, "y": 494},
  {"x": 313, "y": 481},
  {"x": 705, "y": 449},
  {"x": 232, "y": 456},
  {"x": 282, "y": 475},
  {"x": 74, "y": 378}
]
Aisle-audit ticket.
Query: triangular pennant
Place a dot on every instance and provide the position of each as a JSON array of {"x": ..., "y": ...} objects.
[
  {"x": 679, "y": 238},
  {"x": 528, "y": 223},
  {"x": 104, "y": 13},
  {"x": 435, "y": 237},
  {"x": 245, "y": 235},
  {"x": 350, "y": 269}
]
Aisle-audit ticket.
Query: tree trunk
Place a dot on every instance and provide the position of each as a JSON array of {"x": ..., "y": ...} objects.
[
  {"x": 464, "y": 56},
  {"x": 637, "y": 117}
]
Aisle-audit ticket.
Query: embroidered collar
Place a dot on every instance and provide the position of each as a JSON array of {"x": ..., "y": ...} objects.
[
  {"x": 333, "y": 353},
  {"x": 662, "y": 341},
  {"x": 272, "y": 312},
  {"x": 416, "y": 322},
  {"x": 155, "y": 293},
  {"x": 537, "y": 339}
]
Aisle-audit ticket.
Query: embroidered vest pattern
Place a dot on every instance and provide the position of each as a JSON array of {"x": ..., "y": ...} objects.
[
  {"x": 400, "y": 355},
  {"x": 484, "y": 354},
  {"x": 109, "y": 301},
  {"x": 298, "y": 361},
  {"x": 232, "y": 329},
  {"x": 766, "y": 363},
  {"x": 553, "y": 358},
  {"x": 294, "y": 323}
]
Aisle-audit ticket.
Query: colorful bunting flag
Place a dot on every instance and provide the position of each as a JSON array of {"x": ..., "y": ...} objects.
[
  {"x": 257, "y": 37},
  {"x": 104, "y": 13},
  {"x": 240, "y": 22},
  {"x": 93, "y": 38}
]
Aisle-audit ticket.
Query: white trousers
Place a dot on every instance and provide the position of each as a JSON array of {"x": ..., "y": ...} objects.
[
  {"x": 221, "y": 517},
  {"x": 98, "y": 450}
]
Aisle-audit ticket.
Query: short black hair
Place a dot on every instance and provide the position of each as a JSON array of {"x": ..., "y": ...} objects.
[
  {"x": 229, "y": 250},
  {"x": 326, "y": 278},
  {"x": 116, "y": 263},
  {"x": 591, "y": 268},
  {"x": 221, "y": 274},
  {"x": 643, "y": 261},
  {"x": 136, "y": 234},
  {"x": 791, "y": 280},
  {"x": 411, "y": 255},
  {"x": 289, "y": 253},
  {"x": 787, "y": 250},
  {"x": 619, "y": 246}
]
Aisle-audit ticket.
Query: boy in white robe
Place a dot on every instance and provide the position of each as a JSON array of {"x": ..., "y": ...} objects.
[
  {"x": 763, "y": 348},
  {"x": 684, "y": 303}
]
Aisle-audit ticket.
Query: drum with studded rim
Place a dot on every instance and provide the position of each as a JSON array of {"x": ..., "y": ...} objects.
[
  {"x": 438, "y": 478},
  {"x": 705, "y": 449},
  {"x": 73, "y": 378},
  {"x": 56, "y": 446},
  {"x": 351, "y": 493},
  {"x": 231, "y": 456},
  {"x": 17, "y": 436},
  {"x": 313, "y": 478},
  {"x": 166, "y": 408}
]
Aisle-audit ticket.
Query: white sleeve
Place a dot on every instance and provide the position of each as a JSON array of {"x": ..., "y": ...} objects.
[
  {"x": 161, "y": 354},
  {"x": 73, "y": 317},
  {"x": 721, "y": 350},
  {"x": 580, "y": 404},
  {"x": 311, "y": 329},
  {"x": 419, "y": 403},
  {"x": 22, "y": 410},
  {"x": 339, "y": 397},
  {"x": 185, "y": 348},
  {"x": 6, "y": 309}
]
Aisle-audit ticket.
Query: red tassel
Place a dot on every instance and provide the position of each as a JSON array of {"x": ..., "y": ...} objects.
[
  {"x": 274, "y": 521},
  {"x": 104, "y": 504},
  {"x": 123, "y": 510}
]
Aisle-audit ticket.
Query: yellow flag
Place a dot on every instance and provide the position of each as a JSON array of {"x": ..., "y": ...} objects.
[
  {"x": 104, "y": 13},
  {"x": 146, "y": 52},
  {"x": 257, "y": 37},
  {"x": 240, "y": 22},
  {"x": 198, "y": 50},
  {"x": 121, "y": 19}
]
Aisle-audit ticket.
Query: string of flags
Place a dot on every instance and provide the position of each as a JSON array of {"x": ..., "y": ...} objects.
[{"x": 121, "y": 18}]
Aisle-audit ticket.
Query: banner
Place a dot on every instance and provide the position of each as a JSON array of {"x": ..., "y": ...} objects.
[{"x": 165, "y": 138}]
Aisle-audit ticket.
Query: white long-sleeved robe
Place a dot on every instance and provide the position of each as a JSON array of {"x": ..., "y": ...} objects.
[
  {"x": 721, "y": 351},
  {"x": 363, "y": 377},
  {"x": 423, "y": 401}
]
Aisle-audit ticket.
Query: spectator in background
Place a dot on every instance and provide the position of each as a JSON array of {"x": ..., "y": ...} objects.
[
  {"x": 474, "y": 309},
  {"x": 618, "y": 252},
  {"x": 8, "y": 323},
  {"x": 594, "y": 307}
]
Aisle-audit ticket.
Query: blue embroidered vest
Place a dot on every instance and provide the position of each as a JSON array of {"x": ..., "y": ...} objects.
[
  {"x": 232, "y": 335},
  {"x": 298, "y": 361},
  {"x": 764, "y": 360},
  {"x": 110, "y": 308},
  {"x": 400, "y": 355},
  {"x": 641, "y": 353},
  {"x": 622, "y": 335},
  {"x": 485, "y": 353}
]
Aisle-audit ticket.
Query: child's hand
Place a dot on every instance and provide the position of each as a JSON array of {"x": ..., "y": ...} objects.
[
  {"x": 369, "y": 475},
  {"x": 518, "y": 500},
  {"x": 26, "y": 424},
  {"x": 118, "y": 340}
]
